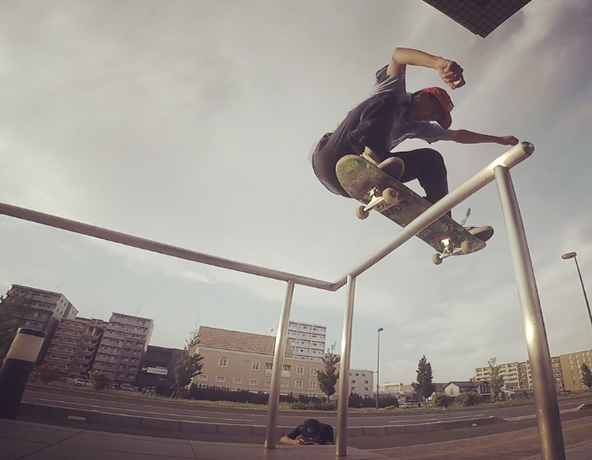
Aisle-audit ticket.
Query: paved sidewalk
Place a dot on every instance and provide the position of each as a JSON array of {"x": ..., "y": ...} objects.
[{"x": 32, "y": 441}]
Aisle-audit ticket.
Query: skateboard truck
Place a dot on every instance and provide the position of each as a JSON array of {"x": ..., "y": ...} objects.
[
  {"x": 380, "y": 200},
  {"x": 451, "y": 250}
]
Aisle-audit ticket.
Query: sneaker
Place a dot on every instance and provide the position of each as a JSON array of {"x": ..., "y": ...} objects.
[
  {"x": 393, "y": 166},
  {"x": 483, "y": 233}
]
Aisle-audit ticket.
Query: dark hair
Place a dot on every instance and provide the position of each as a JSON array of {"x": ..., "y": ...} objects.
[{"x": 311, "y": 428}]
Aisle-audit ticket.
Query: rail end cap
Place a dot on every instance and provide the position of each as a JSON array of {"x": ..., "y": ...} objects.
[{"x": 528, "y": 147}]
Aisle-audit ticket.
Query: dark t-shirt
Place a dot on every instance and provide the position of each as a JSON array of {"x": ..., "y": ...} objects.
[{"x": 325, "y": 437}]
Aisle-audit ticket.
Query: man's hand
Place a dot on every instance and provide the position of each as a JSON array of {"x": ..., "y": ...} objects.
[
  {"x": 450, "y": 73},
  {"x": 508, "y": 140}
]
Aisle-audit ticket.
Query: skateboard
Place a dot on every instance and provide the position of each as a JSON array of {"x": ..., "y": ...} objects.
[{"x": 366, "y": 182}]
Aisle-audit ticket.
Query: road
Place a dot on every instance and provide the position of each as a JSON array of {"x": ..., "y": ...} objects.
[{"x": 172, "y": 410}]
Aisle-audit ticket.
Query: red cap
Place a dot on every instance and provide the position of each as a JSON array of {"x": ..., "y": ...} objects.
[{"x": 446, "y": 120}]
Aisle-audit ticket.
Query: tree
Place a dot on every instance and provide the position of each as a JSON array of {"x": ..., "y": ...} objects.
[
  {"x": 188, "y": 364},
  {"x": 442, "y": 400},
  {"x": 586, "y": 376},
  {"x": 12, "y": 308},
  {"x": 328, "y": 377},
  {"x": 424, "y": 385},
  {"x": 100, "y": 381},
  {"x": 495, "y": 381},
  {"x": 46, "y": 374}
]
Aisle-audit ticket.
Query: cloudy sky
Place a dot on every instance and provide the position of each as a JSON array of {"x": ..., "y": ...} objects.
[{"x": 190, "y": 123}]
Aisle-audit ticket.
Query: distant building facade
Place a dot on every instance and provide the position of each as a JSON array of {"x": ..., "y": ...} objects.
[
  {"x": 307, "y": 340},
  {"x": 157, "y": 366},
  {"x": 74, "y": 346},
  {"x": 361, "y": 382},
  {"x": 454, "y": 389},
  {"x": 516, "y": 375},
  {"x": 571, "y": 369},
  {"x": 243, "y": 361},
  {"x": 123, "y": 344},
  {"x": 44, "y": 310},
  {"x": 566, "y": 368}
]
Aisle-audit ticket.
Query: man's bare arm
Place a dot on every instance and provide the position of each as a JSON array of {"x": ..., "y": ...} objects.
[
  {"x": 463, "y": 136},
  {"x": 450, "y": 72}
]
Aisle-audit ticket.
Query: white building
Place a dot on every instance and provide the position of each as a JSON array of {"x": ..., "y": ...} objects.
[
  {"x": 361, "y": 382},
  {"x": 307, "y": 340},
  {"x": 516, "y": 375}
]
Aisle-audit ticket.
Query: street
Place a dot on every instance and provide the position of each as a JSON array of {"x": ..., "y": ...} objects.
[{"x": 173, "y": 410}]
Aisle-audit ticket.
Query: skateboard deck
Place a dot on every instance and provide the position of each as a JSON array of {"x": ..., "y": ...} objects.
[{"x": 367, "y": 183}]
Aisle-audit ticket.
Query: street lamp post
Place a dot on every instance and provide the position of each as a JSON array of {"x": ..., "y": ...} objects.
[
  {"x": 573, "y": 255},
  {"x": 378, "y": 370}
]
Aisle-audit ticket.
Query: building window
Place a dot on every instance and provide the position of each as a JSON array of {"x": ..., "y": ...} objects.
[
  {"x": 237, "y": 380},
  {"x": 298, "y": 384},
  {"x": 223, "y": 362},
  {"x": 313, "y": 371},
  {"x": 220, "y": 378},
  {"x": 299, "y": 370},
  {"x": 255, "y": 366},
  {"x": 202, "y": 377},
  {"x": 312, "y": 385},
  {"x": 253, "y": 382}
]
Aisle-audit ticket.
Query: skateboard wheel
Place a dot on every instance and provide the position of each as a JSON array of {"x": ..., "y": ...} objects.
[
  {"x": 390, "y": 196},
  {"x": 362, "y": 213},
  {"x": 465, "y": 247},
  {"x": 437, "y": 259}
]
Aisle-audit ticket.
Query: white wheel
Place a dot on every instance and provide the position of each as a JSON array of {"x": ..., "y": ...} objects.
[
  {"x": 362, "y": 213},
  {"x": 390, "y": 196},
  {"x": 436, "y": 259}
]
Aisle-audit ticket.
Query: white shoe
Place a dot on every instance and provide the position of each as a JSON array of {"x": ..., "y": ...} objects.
[{"x": 483, "y": 233}]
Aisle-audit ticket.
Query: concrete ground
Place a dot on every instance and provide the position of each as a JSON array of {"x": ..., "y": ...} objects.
[{"x": 34, "y": 441}]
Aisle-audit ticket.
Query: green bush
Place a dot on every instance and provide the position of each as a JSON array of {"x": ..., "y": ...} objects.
[
  {"x": 314, "y": 405},
  {"x": 442, "y": 400},
  {"x": 468, "y": 399}
]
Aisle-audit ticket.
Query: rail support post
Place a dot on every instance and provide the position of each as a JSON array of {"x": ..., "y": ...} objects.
[
  {"x": 545, "y": 397},
  {"x": 344, "y": 365},
  {"x": 278, "y": 359}
]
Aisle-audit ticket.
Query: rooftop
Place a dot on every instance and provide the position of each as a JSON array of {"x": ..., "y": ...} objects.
[{"x": 238, "y": 341}]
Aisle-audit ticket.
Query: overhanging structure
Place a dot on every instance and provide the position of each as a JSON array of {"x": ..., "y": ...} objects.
[{"x": 479, "y": 16}]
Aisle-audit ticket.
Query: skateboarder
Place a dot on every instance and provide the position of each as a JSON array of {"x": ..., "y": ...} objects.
[
  {"x": 310, "y": 432},
  {"x": 389, "y": 116}
]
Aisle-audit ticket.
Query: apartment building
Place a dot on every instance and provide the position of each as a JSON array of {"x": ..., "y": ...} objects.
[
  {"x": 516, "y": 375},
  {"x": 124, "y": 342},
  {"x": 557, "y": 374},
  {"x": 74, "y": 346},
  {"x": 307, "y": 340},
  {"x": 44, "y": 309},
  {"x": 361, "y": 382},
  {"x": 571, "y": 369},
  {"x": 566, "y": 372},
  {"x": 243, "y": 361}
]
